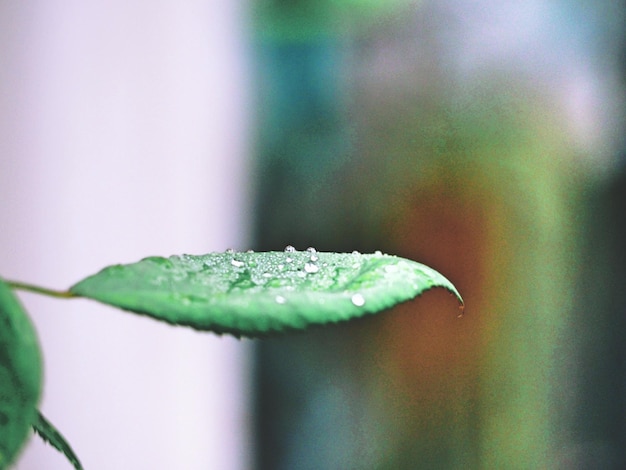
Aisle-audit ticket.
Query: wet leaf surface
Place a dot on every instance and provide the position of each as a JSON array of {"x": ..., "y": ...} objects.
[{"x": 254, "y": 294}]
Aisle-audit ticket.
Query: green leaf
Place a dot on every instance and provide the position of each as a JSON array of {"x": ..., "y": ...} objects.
[
  {"x": 253, "y": 294},
  {"x": 49, "y": 434},
  {"x": 20, "y": 375}
]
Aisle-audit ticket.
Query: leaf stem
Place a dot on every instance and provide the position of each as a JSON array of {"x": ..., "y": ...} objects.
[{"x": 62, "y": 294}]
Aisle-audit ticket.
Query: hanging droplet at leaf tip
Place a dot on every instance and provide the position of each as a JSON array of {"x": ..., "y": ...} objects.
[{"x": 461, "y": 310}]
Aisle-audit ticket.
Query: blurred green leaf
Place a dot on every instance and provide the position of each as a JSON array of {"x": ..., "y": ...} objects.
[
  {"x": 253, "y": 294},
  {"x": 49, "y": 434},
  {"x": 20, "y": 375},
  {"x": 308, "y": 20}
]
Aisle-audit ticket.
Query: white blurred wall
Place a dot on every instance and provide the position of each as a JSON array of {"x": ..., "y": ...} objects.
[{"x": 123, "y": 133}]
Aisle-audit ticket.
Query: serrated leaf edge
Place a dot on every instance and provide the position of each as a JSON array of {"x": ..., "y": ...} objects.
[{"x": 46, "y": 430}]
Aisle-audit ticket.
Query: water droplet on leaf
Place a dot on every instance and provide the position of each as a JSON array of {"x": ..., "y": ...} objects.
[
  {"x": 236, "y": 263},
  {"x": 290, "y": 249},
  {"x": 358, "y": 300},
  {"x": 311, "y": 268},
  {"x": 280, "y": 299},
  {"x": 183, "y": 299}
]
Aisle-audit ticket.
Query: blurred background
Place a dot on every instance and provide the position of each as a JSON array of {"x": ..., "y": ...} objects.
[{"x": 483, "y": 138}]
